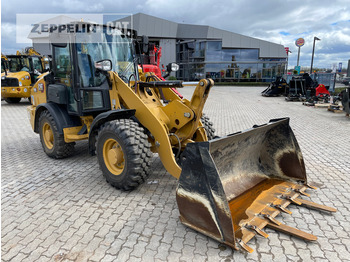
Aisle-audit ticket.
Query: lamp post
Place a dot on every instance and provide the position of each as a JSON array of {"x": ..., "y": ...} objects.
[
  {"x": 313, "y": 52},
  {"x": 287, "y": 59}
]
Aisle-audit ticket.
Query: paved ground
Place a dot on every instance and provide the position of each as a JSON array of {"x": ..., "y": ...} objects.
[{"x": 63, "y": 210}]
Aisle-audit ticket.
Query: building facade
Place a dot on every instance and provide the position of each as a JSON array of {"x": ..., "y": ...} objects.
[{"x": 204, "y": 51}]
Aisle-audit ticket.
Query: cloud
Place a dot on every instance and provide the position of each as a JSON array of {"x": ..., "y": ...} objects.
[{"x": 275, "y": 21}]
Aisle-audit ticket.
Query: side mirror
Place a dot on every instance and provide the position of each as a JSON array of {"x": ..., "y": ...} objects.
[
  {"x": 144, "y": 43},
  {"x": 104, "y": 65}
]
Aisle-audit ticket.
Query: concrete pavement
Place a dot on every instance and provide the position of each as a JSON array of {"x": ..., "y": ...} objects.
[{"x": 63, "y": 210}]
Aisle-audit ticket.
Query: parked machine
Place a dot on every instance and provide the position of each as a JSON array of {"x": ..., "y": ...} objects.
[
  {"x": 150, "y": 56},
  {"x": 45, "y": 60},
  {"x": 17, "y": 81},
  {"x": 276, "y": 88},
  {"x": 229, "y": 188}
]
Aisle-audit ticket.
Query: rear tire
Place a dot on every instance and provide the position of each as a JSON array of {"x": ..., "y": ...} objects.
[
  {"x": 208, "y": 126},
  {"x": 13, "y": 100},
  {"x": 123, "y": 153},
  {"x": 51, "y": 140}
]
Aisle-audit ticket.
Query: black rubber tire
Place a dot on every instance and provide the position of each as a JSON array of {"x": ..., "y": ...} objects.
[
  {"x": 60, "y": 148},
  {"x": 208, "y": 126},
  {"x": 13, "y": 100},
  {"x": 136, "y": 152}
]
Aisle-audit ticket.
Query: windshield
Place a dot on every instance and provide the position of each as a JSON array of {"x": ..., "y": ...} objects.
[
  {"x": 4, "y": 65},
  {"x": 99, "y": 46},
  {"x": 17, "y": 64}
]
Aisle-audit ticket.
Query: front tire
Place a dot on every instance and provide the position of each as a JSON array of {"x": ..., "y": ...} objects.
[
  {"x": 13, "y": 100},
  {"x": 208, "y": 126},
  {"x": 123, "y": 153},
  {"x": 51, "y": 140}
]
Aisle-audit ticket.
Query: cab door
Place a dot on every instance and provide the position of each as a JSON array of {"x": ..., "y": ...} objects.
[
  {"x": 63, "y": 75},
  {"x": 93, "y": 85}
]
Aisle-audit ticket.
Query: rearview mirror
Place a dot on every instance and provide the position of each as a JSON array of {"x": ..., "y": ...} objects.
[{"x": 104, "y": 65}]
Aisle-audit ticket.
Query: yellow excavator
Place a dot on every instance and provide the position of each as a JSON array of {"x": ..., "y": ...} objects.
[
  {"x": 22, "y": 72},
  {"x": 229, "y": 188}
]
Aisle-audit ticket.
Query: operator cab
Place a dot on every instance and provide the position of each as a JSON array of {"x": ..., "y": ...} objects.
[
  {"x": 82, "y": 88},
  {"x": 31, "y": 64}
]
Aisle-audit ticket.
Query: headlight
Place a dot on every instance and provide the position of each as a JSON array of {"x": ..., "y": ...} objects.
[
  {"x": 174, "y": 67},
  {"x": 20, "y": 83},
  {"x": 25, "y": 90}
]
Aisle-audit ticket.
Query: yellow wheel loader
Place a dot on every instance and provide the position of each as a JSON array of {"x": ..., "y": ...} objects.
[
  {"x": 21, "y": 74},
  {"x": 30, "y": 51},
  {"x": 229, "y": 188}
]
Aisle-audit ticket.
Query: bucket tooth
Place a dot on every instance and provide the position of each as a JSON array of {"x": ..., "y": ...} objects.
[
  {"x": 314, "y": 205},
  {"x": 292, "y": 231},
  {"x": 271, "y": 219},
  {"x": 282, "y": 208},
  {"x": 301, "y": 192},
  {"x": 293, "y": 200},
  {"x": 257, "y": 230},
  {"x": 310, "y": 186},
  {"x": 245, "y": 246}
]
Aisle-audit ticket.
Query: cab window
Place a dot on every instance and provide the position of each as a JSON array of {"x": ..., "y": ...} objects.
[{"x": 63, "y": 74}]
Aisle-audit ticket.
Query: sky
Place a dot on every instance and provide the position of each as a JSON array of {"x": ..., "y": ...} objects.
[{"x": 280, "y": 22}]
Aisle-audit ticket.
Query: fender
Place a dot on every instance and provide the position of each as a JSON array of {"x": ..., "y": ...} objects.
[
  {"x": 60, "y": 115},
  {"x": 103, "y": 118}
]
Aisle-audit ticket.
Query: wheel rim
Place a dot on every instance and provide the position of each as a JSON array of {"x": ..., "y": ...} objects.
[
  {"x": 113, "y": 156},
  {"x": 48, "y": 136}
]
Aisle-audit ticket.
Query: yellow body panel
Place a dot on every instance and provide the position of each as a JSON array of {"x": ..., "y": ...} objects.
[
  {"x": 21, "y": 91},
  {"x": 71, "y": 134},
  {"x": 31, "y": 114},
  {"x": 38, "y": 92}
]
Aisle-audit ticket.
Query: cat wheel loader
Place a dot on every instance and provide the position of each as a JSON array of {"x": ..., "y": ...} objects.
[
  {"x": 22, "y": 72},
  {"x": 229, "y": 188}
]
